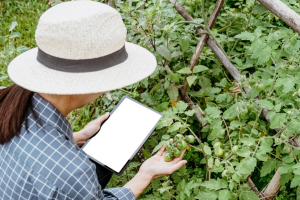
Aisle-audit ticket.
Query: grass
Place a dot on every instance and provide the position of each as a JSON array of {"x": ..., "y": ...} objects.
[{"x": 26, "y": 14}]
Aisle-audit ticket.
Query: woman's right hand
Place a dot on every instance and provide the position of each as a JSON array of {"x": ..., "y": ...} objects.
[{"x": 156, "y": 166}]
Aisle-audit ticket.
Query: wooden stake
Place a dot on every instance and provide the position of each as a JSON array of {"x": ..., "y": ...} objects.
[
  {"x": 202, "y": 40},
  {"x": 282, "y": 11}
]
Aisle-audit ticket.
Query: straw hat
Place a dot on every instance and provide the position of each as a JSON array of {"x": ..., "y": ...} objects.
[{"x": 81, "y": 49}]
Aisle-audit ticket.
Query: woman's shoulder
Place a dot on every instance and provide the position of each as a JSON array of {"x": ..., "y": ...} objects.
[{"x": 49, "y": 153}]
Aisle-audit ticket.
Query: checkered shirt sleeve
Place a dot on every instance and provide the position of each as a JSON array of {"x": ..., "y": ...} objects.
[{"x": 44, "y": 162}]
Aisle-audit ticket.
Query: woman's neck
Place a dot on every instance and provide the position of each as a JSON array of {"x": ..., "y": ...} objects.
[{"x": 67, "y": 103}]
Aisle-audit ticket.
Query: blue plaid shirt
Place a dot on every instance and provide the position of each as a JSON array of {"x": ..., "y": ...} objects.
[{"x": 44, "y": 162}]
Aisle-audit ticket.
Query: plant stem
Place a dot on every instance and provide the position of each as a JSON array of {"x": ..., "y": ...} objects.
[{"x": 227, "y": 130}]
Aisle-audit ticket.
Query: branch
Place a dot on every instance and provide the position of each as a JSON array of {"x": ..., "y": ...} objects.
[
  {"x": 199, "y": 113},
  {"x": 203, "y": 38}
]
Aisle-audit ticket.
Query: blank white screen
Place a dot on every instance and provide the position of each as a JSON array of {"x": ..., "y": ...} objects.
[{"x": 121, "y": 134}]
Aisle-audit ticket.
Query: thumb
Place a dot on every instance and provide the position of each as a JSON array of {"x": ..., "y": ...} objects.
[
  {"x": 177, "y": 166},
  {"x": 102, "y": 118}
]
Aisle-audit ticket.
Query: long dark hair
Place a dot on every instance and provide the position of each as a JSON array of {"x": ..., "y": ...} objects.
[{"x": 15, "y": 102}]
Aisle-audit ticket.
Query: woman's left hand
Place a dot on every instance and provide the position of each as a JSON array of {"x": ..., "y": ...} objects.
[{"x": 89, "y": 130}]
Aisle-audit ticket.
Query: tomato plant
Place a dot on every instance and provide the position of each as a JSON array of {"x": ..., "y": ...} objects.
[{"x": 234, "y": 140}]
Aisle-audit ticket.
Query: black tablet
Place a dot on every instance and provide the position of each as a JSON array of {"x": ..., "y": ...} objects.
[{"x": 122, "y": 135}]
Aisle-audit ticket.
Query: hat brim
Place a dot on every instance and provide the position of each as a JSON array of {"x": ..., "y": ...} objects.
[{"x": 27, "y": 72}]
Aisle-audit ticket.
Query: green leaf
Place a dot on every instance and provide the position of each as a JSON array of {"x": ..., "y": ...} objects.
[
  {"x": 264, "y": 55},
  {"x": 288, "y": 168},
  {"x": 215, "y": 90},
  {"x": 296, "y": 181},
  {"x": 174, "y": 127},
  {"x": 231, "y": 112},
  {"x": 246, "y": 36},
  {"x": 12, "y": 26},
  {"x": 267, "y": 167},
  {"x": 247, "y": 165},
  {"x": 2, "y": 78},
  {"x": 163, "y": 189},
  {"x": 164, "y": 52},
  {"x": 148, "y": 98},
  {"x": 207, "y": 150},
  {"x": 2, "y": 40},
  {"x": 213, "y": 112},
  {"x": 223, "y": 82},
  {"x": 185, "y": 70},
  {"x": 259, "y": 9},
  {"x": 224, "y": 195},
  {"x": 249, "y": 195},
  {"x": 181, "y": 106},
  {"x": 244, "y": 152},
  {"x": 285, "y": 178},
  {"x": 221, "y": 97},
  {"x": 217, "y": 132},
  {"x": 248, "y": 141},
  {"x": 191, "y": 80},
  {"x": 176, "y": 53},
  {"x": 215, "y": 184},
  {"x": 184, "y": 43},
  {"x": 266, "y": 104},
  {"x": 207, "y": 195},
  {"x": 287, "y": 83},
  {"x": 21, "y": 49},
  {"x": 190, "y": 112},
  {"x": 15, "y": 35},
  {"x": 173, "y": 92},
  {"x": 164, "y": 122},
  {"x": 298, "y": 193},
  {"x": 175, "y": 77},
  {"x": 262, "y": 156},
  {"x": 199, "y": 68},
  {"x": 162, "y": 106},
  {"x": 158, "y": 146},
  {"x": 296, "y": 169},
  {"x": 218, "y": 169},
  {"x": 235, "y": 124},
  {"x": 288, "y": 159}
]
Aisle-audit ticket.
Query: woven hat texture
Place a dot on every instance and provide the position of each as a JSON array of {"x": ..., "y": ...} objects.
[{"x": 80, "y": 30}]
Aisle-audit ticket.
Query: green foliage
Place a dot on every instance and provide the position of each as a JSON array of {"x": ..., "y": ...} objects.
[{"x": 261, "y": 47}]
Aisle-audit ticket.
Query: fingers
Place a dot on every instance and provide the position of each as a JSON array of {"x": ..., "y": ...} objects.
[
  {"x": 176, "y": 160},
  {"x": 177, "y": 166},
  {"x": 162, "y": 149},
  {"x": 102, "y": 118}
]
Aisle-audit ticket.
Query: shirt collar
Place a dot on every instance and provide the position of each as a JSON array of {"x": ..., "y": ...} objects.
[{"x": 52, "y": 116}]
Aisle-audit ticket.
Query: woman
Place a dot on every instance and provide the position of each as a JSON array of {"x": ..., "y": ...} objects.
[{"x": 81, "y": 53}]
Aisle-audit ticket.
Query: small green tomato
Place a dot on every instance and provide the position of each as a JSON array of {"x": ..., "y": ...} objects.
[
  {"x": 225, "y": 155},
  {"x": 169, "y": 146},
  {"x": 218, "y": 144},
  {"x": 234, "y": 149},
  {"x": 178, "y": 137},
  {"x": 190, "y": 139},
  {"x": 168, "y": 156},
  {"x": 176, "y": 152},
  {"x": 224, "y": 174},
  {"x": 259, "y": 86},
  {"x": 219, "y": 153},
  {"x": 182, "y": 145}
]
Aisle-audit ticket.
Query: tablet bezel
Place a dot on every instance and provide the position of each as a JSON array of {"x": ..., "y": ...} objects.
[{"x": 139, "y": 147}]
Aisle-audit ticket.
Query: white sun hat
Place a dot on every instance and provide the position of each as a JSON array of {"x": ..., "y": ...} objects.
[{"x": 81, "y": 49}]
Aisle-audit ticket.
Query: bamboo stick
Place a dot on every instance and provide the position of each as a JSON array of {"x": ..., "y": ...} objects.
[{"x": 282, "y": 11}]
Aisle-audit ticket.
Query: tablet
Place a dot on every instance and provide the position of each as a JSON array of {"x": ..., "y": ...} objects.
[{"x": 122, "y": 135}]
